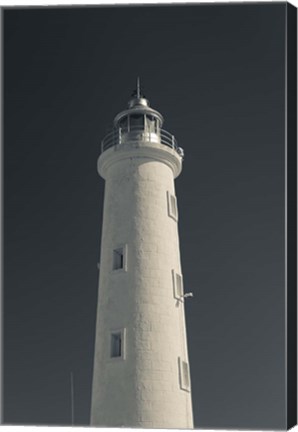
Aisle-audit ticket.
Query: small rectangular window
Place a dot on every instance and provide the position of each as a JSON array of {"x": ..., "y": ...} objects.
[
  {"x": 118, "y": 259},
  {"x": 116, "y": 344},
  {"x": 136, "y": 121},
  {"x": 184, "y": 375},
  {"x": 177, "y": 285},
  {"x": 150, "y": 124},
  {"x": 172, "y": 206}
]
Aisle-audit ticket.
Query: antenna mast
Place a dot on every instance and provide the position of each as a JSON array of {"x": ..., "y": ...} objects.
[
  {"x": 138, "y": 88},
  {"x": 72, "y": 397}
]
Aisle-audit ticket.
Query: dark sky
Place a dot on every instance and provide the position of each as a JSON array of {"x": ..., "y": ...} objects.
[{"x": 216, "y": 73}]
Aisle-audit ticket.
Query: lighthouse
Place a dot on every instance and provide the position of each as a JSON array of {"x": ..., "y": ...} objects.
[{"x": 141, "y": 373}]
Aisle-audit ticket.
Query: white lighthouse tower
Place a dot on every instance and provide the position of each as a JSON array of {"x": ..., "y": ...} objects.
[{"x": 141, "y": 374}]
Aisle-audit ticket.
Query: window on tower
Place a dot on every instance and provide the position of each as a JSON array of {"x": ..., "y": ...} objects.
[
  {"x": 184, "y": 374},
  {"x": 136, "y": 121},
  {"x": 117, "y": 344},
  {"x": 177, "y": 285},
  {"x": 118, "y": 259},
  {"x": 172, "y": 206},
  {"x": 151, "y": 124},
  {"x": 123, "y": 124}
]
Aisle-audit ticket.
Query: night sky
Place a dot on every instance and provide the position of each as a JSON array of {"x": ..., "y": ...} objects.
[{"x": 216, "y": 73}]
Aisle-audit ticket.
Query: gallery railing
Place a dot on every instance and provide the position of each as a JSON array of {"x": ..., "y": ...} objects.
[{"x": 138, "y": 133}]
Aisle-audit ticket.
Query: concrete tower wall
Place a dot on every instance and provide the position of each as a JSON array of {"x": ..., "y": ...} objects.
[{"x": 148, "y": 387}]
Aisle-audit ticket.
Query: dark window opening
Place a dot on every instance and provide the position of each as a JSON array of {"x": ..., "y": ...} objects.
[
  {"x": 136, "y": 121},
  {"x": 116, "y": 345},
  {"x": 123, "y": 124},
  {"x": 118, "y": 259}
]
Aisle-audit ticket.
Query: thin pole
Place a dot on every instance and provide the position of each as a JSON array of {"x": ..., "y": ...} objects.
[
  {"x": 72, "y": 397},
  {"x": 138, "y": 88}
]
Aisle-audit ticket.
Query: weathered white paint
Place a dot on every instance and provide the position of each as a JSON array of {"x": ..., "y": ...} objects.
[{"x": 142, "y": 389}]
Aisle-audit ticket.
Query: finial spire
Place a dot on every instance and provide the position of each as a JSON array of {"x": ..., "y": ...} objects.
[
  {"x": 137, "y": 96},
  {"x": 138, "y": 88}
]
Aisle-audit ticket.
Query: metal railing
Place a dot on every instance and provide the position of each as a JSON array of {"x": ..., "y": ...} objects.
[{"x": 119, "y": 136}]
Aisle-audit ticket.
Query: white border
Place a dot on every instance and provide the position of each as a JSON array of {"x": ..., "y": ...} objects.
[
  {"x": 52, "y": 3},
  {"x": 123, "y": 2}
]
